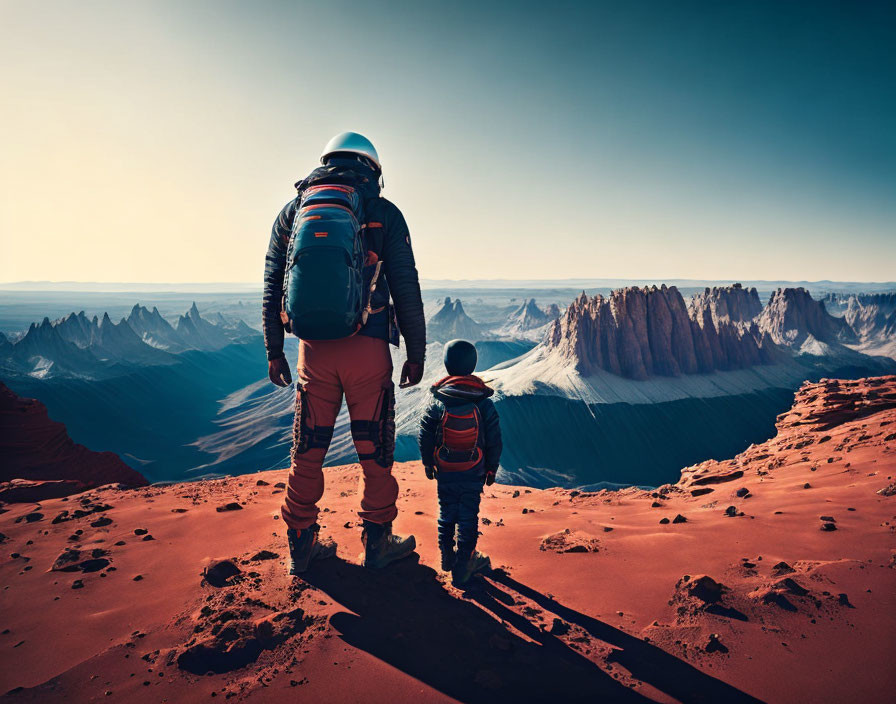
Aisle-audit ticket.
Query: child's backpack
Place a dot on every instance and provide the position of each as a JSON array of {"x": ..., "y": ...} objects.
[
  {"x": 323, "y": 288},
  {"x": 458, "y": 449}
]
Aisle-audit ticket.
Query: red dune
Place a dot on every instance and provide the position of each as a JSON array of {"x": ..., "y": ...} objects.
[{"x": 771, "y": 576}]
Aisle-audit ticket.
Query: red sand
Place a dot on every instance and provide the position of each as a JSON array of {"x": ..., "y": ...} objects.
[{"x": 613, "y": 620}]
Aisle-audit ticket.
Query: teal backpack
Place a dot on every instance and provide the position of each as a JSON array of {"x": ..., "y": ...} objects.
[{"x": 324, "y": 292}]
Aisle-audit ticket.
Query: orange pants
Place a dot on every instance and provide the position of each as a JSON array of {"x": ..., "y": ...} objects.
[{"x": 361, "y": 368}]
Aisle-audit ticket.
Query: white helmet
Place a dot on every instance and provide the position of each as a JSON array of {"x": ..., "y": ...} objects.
[{"x": 353, "y": 143}]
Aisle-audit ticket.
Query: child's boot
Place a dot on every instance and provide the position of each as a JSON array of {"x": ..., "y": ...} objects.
[
  {"x": 464, "y": 569},
  {"x": 382, "y": 547},
  {"x": 305, "y": 547},
  {"x": 449, "y": 557}
]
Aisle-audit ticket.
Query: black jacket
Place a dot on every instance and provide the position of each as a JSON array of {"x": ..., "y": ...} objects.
[
  {"x": 389, "y": 238},
  {"x": 458, "y": 391}
]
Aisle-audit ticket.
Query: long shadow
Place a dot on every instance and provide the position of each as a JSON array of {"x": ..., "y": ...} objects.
[
  {"x": 406, "y": 618},
  {"x": 646, "y": 662}
]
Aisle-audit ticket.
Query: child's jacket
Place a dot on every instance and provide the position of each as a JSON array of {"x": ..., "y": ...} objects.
[{"x": 458, "y": 396}]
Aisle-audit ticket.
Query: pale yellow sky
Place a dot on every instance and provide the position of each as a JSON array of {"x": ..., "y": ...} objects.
[{"x": 154, "y": 142}]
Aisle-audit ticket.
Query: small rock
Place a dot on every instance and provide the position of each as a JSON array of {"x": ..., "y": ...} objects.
[
  {"x": 807, "y": 485},
  {"x": 141, "y": 531},
  {"x": 101, "y": 521},
  {"x": 232, "y": 506},
  {"x": 138, "y": 578},
  {"x": 78, "y": 584},
  {"x": 218, "y": 573},
  {"x": 714, "y": 645},
  {"x": 829, "y": 519},
  {"x": 664, "y": 520},
  {"x": 843, "y": 600},
  {"x": 828, "y": 527},
  {"x": 731, "y": 511},
  {"x": 656, "y": 504},
  {"x": 280, "y": 485},
  {"x": 515, "y": 494},
  {"x": 148, "y": 537},
  {"x": 679, "y": 519},
  {"x": 782, "y": 568},
  {"x": 743, "y": 492},
  {"x": 264, "y": 555},
  {"x": 262, "y": 482}
]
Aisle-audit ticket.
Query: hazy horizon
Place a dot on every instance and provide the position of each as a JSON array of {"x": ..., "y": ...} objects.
[{"x": 157, "y": 141}]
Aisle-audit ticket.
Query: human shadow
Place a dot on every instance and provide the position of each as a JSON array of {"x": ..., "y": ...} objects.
[
  {"x": 645, "y": 661},
  {"x": 405, "y": 617}
]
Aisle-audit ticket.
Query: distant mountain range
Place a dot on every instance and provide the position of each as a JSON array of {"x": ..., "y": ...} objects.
[
  {"x": 624, "y": 387},
  {"x": 78, "y": 346}
]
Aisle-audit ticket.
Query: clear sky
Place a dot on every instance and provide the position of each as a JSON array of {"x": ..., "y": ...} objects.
[{"x": 156, "y": 141}]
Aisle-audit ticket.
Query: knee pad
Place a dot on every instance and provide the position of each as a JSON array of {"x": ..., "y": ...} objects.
[
  {"x": 304, "y": 435},
  {"x": 380, "y": 431}
]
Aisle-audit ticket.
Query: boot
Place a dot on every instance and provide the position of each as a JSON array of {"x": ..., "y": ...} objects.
[
  {"x": 464, "y": 569},
  {"x": 382, "y": 547},
  {"x": 449, "y": 557},
  {"x": 305, "y": 547}
]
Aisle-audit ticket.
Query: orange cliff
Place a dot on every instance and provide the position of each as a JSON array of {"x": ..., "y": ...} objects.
[
  {"x": 40, "y": 460},
  {"x": 771, "y": 577}
]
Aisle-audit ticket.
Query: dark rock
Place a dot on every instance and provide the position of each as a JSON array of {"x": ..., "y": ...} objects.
[
  {"x": 742, "y": 492},
  {"x": 776, "y": 599},
  {"x": 220, "y": 572},
  {"x": 148, "y": 537},
  {"x": 702, "y": 491},
  {"x": 705, "y": 588},
  {"x": 262, "y": 482},
  {"x": 664, "y": 520},
  {"x": 78, "y": 584},
  {"x": 843, "y": 600},
  {"x": 140, "y": 531},
  {"x": 782, "y": 568},
  {"x": 32, "y": 517},
  {"x": 232, "y": 506},
  {"x": 94, "y": 565},
  {"x": 264, "y": 555},
  {"x": 280, "y": 485},
  {"x": 791, "y": 586},
  {"x": 679, "y": 519},
  {"x": 714, "y": 645},
  {"x": 559, "y": 627},
  {"x": 67, "y": 561},
  {"x": 731, "y": 511},
  {"x": 829, "y": 519},
  {"x": 101, "y": 521},
  {"x": 828, "y": 527}
]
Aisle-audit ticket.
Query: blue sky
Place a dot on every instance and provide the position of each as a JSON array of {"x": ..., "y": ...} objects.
[{"x": 719, "y": 140}]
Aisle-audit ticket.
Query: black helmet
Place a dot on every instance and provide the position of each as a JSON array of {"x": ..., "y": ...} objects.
[{"x": 460, "y": 358}]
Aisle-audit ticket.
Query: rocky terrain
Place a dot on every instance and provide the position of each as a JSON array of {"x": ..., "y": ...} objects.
[
  {"x": 768, "y": 577},
  {"x": 40, "y": 460},
  {"x": 638, "y": 333},
  {"x": 451, "y": 322}
]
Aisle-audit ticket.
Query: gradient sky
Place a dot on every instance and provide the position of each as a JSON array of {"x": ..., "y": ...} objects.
[{"x": 157, "y": 141}]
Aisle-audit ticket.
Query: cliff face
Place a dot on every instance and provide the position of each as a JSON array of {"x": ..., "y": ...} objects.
[
  {"x": 792, "y": 316},
  {"x": 34, "y": 447},
  {"x": 733, "y": 304},
  {"x": 642, "y": 332}
]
